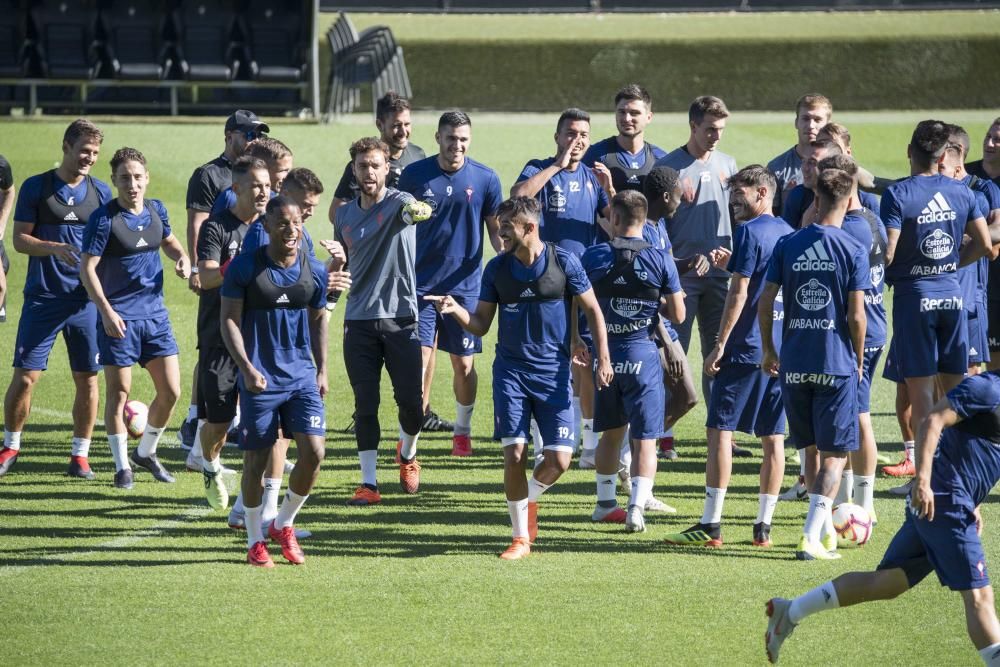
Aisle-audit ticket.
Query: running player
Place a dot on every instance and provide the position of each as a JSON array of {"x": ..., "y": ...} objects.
[
  {"x": 822, "y": 272},
  {"x": 220, "y": 240},
  {"x": 51, "y": 212},
  {"x": 531, "y": 284},
  {"x": 743, "y": 397},
  {"x": 463, "y": 195},
  {"x": 958, "y": 464},
  {"x": 702, "y": 221},
  {"x": 628, "y": 157},
  {"x": 204, "y": 186},
  {"x": 573, "y": 197},
  {"x": 812, "y": 112},
  {"x": 273, "y": 310},
  {"x": 7, "y": 194},
  {"x": 380, "y": 322},
  {"x": 122, "y": 272},
  {"x": 630, "y": 276},
  {"x": 926, "y": 216}
]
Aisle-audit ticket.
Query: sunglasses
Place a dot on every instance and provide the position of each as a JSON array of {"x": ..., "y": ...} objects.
[{"x": 253, "y": 134}]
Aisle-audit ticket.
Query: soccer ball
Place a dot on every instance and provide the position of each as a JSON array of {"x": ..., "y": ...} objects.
[
  {"x": 852, "y": 523},
  {"x": 135, "y": 414}
]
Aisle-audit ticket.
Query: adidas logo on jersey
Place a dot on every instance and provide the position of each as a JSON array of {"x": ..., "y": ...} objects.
[
  {"x": 233, "y": 245},
  {"x": 814, "y": 259},
  {"x": 282, "y": 299},
  {"x": 141, "y": 243},
  {"x": 527, "y": 293},
  {"x": 621, "y": 281},
  {"x": 71, "y": 217},
  {"x": 429, "y": 193},
  {"x": 937, "y": 210}
]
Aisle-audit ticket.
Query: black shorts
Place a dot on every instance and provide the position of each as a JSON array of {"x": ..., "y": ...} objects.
[
  {"x": 217, "y": 393},
  {"x": 389, "y": 342}
]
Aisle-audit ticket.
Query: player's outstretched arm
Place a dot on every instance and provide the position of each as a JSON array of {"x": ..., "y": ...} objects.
[
  {"x": 928, "y": 434},
  {"x": 318, "y": 324},
  {"x": 587, "y": 302},
  {"x": 113, "y": 324},
  {"x": 765, "y": 318},
  {"x": 230, "y": 316},
  {"x": 477, "y": 323},
  {"x": 173, "y": 249}
]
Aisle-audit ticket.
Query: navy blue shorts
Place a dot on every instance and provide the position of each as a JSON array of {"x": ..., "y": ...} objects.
[
  {"x": 891, "y": 369},
  {"x": 872, "y": 355},
  {"x": 746, "y": 399},
  {"x": 518, "y": 396},
  {"x": 979, "y": 346},
  {"x": 822, "y": 410},
  {"x": 636, "y": 395},
  {"x": 930, "y": 339},
  {"x": 451, "y": 337},
  {"x": 295, "y": 411},
  {"x": 40, "y": 323},
  {"x": 948, "y": 545},
  {"x": 144, "y": 341}
]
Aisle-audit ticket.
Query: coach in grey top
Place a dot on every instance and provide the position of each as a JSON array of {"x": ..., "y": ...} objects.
[
  {"x": 702, "y": 222},
  {"x": 380, "y": 325}
]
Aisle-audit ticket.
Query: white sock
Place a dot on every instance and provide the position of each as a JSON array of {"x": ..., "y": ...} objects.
[
  {"x": 212, "y": 465},
  {"x": 290, "y": 507},
  {"x": 819, "y": 509},
  {"x": 828, "y": 528},
  {"x": 642, "y": 490},
  {"x": 864, "y": 491},
  {"x": 409, "y": 449},
  {"x": 255, "y": 525},
  {"x": 12, "y": 440},
  {"x": 714, "y": 498},
  {"x": 625, "y": 457},
  {"x": 802, "y": 463},
  {"x": 272, "y": 489},
  {"x": 119, "y": 451},
  {"x": 765, "y": 507},
  {"x": 150, "y": 437},
  {"x": 238, "y": 506},
  {"x": 81, "y": 447},
  {"x": 990, "y": 655},
  {"x": 820, "y": 598},
  {"x": 192, "y": 412},
  {"x": 368, "y": 458},
  {"x": 536, "y": 489},
  {"x": 577, "y": 415},
  {"x": 536, "y": 439},
  {"x": 518, "y": 517},
  {"x": 607, "y": 487},
  {"x": 197, "y": 433},
  {"x": 908, "y": 449},
  {"x": 463, "y": 418},
  {"x": 846, "y": 488},
  {"x": 589, "y": 437}
]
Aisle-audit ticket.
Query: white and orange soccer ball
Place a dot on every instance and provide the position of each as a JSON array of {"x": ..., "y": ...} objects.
[
  {"x": 135, "y": 415},
  {"x": 852, "y": 523}
]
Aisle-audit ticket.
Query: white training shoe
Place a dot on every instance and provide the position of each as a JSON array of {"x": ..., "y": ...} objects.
[
  {"x": 656, "y": 505},
  {"x": 798, "y": 491},
  {"x": 195, "y": 461},
  {"x": 588, "y": 459},
  {"x": 779, "y": 627},
  {"x": 634, "y": 521},
  {"x": 625, "y": 477}
]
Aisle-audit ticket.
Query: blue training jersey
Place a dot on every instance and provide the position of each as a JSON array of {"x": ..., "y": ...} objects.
[
  {"x": 801, "y": 198},
  {"x": 967, "y": 464},
  {"x": 656, "y": 234},
  {"x": 817, "y": 267},
  {"x": 753, "y": 244},
  {"x": 628, "y": 170},
  {"x": 132, "y": 283},
  {"x": 450, "y": 244},
  {"x": 627, "y": 319},
  {"x": 257, "y": 237},
  {"x": 972, "y": 277},
  {"x": 571, "y": 203},
  {"x": 931, "y": 213},
  {"x": 534, "y": 336},
  {"x": 277, "y": 340},
  {"x": 47, "y": 277},
  {"x": 858, "y": 226}
]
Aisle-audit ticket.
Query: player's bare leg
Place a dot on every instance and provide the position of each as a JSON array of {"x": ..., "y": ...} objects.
[{"x": 166, "y": 376}]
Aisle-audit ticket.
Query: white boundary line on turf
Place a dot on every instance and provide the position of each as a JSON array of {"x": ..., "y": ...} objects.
[{"x": 137, "y": 537}]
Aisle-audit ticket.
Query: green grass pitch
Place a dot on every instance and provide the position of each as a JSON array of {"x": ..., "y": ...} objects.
[{"x": 90, "y": 575}]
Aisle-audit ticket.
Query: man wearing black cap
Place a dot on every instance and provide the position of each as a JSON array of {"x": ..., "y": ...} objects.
[{"x": 205, "y": 184}]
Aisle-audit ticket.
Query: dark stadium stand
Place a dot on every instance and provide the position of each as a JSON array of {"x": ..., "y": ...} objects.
[
  {"x": 80, "y": 55},
  {"x": 495, "y": 6},
  {"x": 373, "y": 57}
]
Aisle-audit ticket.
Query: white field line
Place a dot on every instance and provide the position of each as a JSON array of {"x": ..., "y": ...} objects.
[{"x": 137, "y": 537}]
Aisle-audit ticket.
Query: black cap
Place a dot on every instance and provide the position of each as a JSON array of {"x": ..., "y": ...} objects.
[{"x": 245, "y": 121}]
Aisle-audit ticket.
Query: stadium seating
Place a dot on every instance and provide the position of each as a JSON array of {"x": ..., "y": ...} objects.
[
  {"x": 371, "y": 58},
  {"x": 206, "y": 48},
  {"x": 15, "y": 47},
  {"x": 67, "y": 43},
  {"x": 134, "y": 43},
  {"x": 276, "y": 47}
]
